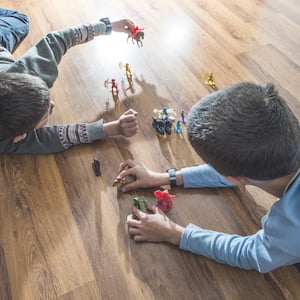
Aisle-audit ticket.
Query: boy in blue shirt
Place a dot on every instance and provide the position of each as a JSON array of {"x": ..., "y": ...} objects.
[{"x": 248, "y": 136}]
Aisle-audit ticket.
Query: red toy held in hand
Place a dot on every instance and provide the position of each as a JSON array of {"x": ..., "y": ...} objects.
[
  {"x": 138, "y": 35},
  {"x": 164, "y": 200}
]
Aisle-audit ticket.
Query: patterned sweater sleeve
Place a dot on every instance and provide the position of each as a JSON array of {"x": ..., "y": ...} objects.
[
  {"x": 52, "y": 139},
  {"x": 276, "y": 244},
  {"x": 42, "y": 60}
]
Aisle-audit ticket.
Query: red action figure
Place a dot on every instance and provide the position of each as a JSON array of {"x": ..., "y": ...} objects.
[
  {"x": 137, "y": 34},
  {"x": 164, "y": 200},
  {"x": 114, "y": 86}
]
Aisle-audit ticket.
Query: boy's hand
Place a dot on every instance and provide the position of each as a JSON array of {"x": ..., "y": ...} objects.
[
  {"x": 124, "y": 25},
  {"x": 156, "y": 227},
  {"x": 126, "y": 125},
  {"x": 144, "y": 177}
]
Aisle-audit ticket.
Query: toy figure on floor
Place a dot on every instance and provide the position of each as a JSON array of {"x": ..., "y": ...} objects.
[
  {"x": 182, "y": 116},
  {"x": 141, "y": 204},
  {"x": 114, "y": 86},
  {"x": 138, "y": 35},
  {"x": 178, "y": 129},
  {"x": 165, "y": 113},
  {"x": 162, "y": 126},
  {"x": 128, "y": 73},
  {"x": 96, "y": 167},
  {"x": 209, "y": 79},
  {"x": 162, "y": 120},
  {"x": 120, "y": 182},
  {"x": 158, "y": 125},
  {"x": 127, "y": 69},
  {"x": 164, "y": 200}
]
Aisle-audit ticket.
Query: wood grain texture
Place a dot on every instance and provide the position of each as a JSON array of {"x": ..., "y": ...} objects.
[{"x": 63, "y": 231}]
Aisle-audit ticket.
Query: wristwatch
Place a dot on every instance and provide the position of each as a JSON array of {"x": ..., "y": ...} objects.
[
  {"x": 172, "y": 176},
  {"x": 107, "y": 23}
]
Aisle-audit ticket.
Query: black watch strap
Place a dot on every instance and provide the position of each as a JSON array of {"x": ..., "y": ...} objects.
[
  {"x": 107, "y": 23},
  {"x": 172, "y": 176}
]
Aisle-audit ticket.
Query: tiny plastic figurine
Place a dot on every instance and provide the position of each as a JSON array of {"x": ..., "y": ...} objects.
[
  {"x": 164, "y": 200},
  {"x": 165, "y": 112},
  {"x": 168, "y": 127},
  {"x": 183, "y": 121},
  {"x": 141, "y": 204},
  {"x": 96, "y": 167},
  {"x": 127, "y": 70},
  {"x": 209, "y": 79},
  {"x": 114, "y": 86},
  {"x": 158, "y": 125},
  {"x": 178, "y": 129},
  {"x": 163, "y": 120},
  {"x": 138, "y": 35},
  {"x": 120, "y": 182},
  {"x": 129, "y": 78}
]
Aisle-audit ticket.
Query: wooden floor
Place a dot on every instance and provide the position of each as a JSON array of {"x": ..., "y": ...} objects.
[{"x": 62, "y": 230}]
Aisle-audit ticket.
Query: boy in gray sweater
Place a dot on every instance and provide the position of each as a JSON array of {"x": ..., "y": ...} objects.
[{"x": 25, "y": 103}]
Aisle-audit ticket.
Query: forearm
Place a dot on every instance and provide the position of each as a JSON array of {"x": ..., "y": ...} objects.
[
  {"x": 86, "y": 32},
  {"x": 258, "y": 251},
  {"x": 203, "y": 176},
  {"x": 163, "y": 178},
  {"x": 52, "y": 139},
  {"x": 42, "y": 60},
  {"x": 224, "y": 248},
  {"x": 194, "y": 177},
  {"x": 111, "y": 128},
  {"x": 42, "y": 141}
]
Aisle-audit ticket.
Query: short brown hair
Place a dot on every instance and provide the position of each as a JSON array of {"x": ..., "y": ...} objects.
[
  {"x": 24, "y": 100},
  {"x": 246, "y": 130}
]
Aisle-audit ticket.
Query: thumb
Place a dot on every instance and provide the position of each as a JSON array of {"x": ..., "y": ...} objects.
[
  {"x": 130, "y": 112},
  {"x": 137, "y": 213}
]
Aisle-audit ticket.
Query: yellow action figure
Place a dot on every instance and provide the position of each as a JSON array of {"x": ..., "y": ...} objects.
[{"x": 210, "y": 80}]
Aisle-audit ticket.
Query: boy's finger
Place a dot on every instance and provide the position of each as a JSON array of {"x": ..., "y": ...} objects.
[{"x": 137, "y": 213}]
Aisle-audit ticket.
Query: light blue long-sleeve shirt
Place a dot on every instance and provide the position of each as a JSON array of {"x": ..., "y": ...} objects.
[{"x": 276, "y": 244}]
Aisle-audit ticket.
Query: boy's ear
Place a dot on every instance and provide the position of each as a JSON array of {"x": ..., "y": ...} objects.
[{"x": 239, "y": 181}]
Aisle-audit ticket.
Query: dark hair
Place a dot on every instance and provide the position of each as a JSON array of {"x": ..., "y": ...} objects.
[
  {"x": 246, "y": 130},
  {"x": 24, "y": 100}
]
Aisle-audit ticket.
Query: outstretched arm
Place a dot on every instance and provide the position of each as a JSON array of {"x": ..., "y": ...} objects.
[
  {"x": 191, "y": 177},
  {"x": 264, "y": 251},
  {"x": 42, "y": 60},
  {"x": 52, "y": 139}
]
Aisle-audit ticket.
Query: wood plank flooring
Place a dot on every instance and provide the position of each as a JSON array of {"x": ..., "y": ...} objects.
[{"x": 62, "y": 230}]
